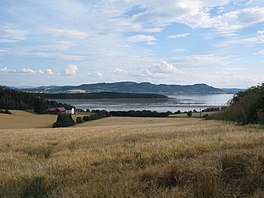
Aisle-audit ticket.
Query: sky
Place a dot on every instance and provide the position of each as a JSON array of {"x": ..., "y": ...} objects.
[{"x": 73, "y": 42}]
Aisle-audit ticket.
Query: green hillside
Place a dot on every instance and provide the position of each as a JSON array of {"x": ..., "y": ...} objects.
[{"x": 245, "y": 107}]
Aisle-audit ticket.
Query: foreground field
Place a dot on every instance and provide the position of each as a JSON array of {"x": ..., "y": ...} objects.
[{"x": 134, "y": 157}]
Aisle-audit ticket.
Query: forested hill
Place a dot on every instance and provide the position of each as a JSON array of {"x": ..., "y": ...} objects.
[
  {"x": 18, "y": 100},
  {"x": 130, "y": 87},
  {"x": 101, "y": 95}
]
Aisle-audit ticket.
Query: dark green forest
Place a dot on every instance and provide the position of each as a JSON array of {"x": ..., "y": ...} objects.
[
  {"x": 18, "y": 100},
  {"x": 102, "y": 95}
]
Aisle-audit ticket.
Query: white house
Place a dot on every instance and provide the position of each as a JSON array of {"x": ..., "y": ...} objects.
[{"x": 70, "y": 111}]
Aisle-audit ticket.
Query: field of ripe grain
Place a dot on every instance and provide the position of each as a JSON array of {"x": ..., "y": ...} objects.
[
  {"x": 24, "y": 120},
  {"x": 134, "y": 157}
]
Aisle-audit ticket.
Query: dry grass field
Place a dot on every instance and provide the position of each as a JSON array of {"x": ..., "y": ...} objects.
[
  {"x": 24, "y": 120},
  {"x": 134, "y": 157}
]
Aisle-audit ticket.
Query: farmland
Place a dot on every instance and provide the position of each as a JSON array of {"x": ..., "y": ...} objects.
[{"x": 134, "y": 157}]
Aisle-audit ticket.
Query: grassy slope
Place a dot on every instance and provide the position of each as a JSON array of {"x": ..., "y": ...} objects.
[
  {"x": 127, "y": 158},
  {"x": 23, "y": 120}
]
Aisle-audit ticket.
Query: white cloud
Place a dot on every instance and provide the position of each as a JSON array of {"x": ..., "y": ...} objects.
[
  {"x": 197, "y": 14},
  {"x": 99, "y": 74},
  {"x": 164, "y": 67},
  {"x": 141, "y": 38},
  {"x": 203, "y": 60},
  {"x": 27, "y": 71},
  {"x": 151, "y": 43},
  {"x": 71, "y": 70},
  {"x": 57, "y": 46},
  {"x": 49, "y": 71},
  {"x": 231, "y": 22},
  {"x": 119, "y": 71},
  {"x": 70, "y": 57},
  {"x": 31, "y": 71},
  {"x": 183, "y": 35},
  {"x": 178, "y": 50},
  {"x": 5, "y": 69},
  {"x": 40, "y": 71},
  {"x": 73, "y": 33},
  {"x": 261, "y": 52},
  {"x": 109, "y": 33},
  {"x": 259, "y": 39},
  {"x": 260, "y": 32},
  {"x": 8, "y": 34}
]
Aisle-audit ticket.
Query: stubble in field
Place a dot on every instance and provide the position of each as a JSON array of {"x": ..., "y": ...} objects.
[{"x": 134, "y": 157}]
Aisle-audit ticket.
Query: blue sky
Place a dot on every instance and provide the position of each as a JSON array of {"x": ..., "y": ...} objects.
[{"x": 71, "y": 42}]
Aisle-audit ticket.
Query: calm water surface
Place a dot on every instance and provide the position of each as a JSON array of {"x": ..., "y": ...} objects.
[{"x": 182, "y": 102}]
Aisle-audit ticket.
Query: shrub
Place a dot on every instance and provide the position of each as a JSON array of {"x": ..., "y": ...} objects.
[
  {"x": 206, "y": 116},
  {"x": 189, "y": 113},
  {"x": 79, "y": 120},
  {"x": 178, "y": 112},
  {"x": 64, "y": 121},
  {"x": 144, "y": 113},
  {"x": 245, "y": 107},
  {"x": 85, "y": 118}
]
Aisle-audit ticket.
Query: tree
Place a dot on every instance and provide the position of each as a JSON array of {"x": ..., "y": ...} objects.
[
  {"x": 79, "y": 120},
  {"x": 64, "y": 121},
  {"x": 189, "y": 113},
  {"x": 40, "y": 106}
]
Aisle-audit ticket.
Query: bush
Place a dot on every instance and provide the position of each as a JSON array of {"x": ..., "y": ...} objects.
[
  {"x": 189, "y": 113},
  {"x": 210, "y": 109},
  {"x": 245, "y": 107},
  {"x": 79, "y": 120},
  {"x": 178, "y": 112},
  {"x": 206, "y": 117},
  {"x": 98, "y": 115},
  {"x": 64, "y": 121},
  {"x": 85, "y": 118},
  {"x": 144, "y": 113}
]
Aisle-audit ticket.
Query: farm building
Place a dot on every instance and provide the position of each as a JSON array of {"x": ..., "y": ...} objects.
[
  {"x": 70, "y": 111},
  {"x": 57, "y": 110},
  {"x": 61, "y": 111}
]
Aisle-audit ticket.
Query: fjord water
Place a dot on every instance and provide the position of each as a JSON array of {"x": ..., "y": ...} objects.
[{"x": 182, "y": 102}]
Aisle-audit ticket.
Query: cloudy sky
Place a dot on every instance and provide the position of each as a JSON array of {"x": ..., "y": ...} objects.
[{"x": 71, "y": 42}]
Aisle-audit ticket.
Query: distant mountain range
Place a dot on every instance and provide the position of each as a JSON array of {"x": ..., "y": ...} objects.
[{"x": 131, "y": 87}]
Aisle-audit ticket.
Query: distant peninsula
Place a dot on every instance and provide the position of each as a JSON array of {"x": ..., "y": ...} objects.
[
  {"x": 101, "y": 95},
  {"x": 129, "y": 87}
]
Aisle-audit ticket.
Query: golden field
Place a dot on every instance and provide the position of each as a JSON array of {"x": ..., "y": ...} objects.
[
  {"x": 134, "y": 157},
  {"x": 24, "y": 120}
]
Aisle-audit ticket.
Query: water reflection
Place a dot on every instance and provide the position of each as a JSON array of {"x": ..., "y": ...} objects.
[{"x": 182, "y": 102}]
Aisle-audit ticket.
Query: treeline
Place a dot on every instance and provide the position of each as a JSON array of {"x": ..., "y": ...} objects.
[
  {"x": 245, "y": 107},
  {"x": 144, "y": 113},
  {"x": 101, "y": 95},
  {"x": 132, "y": 113},
  {"x": 18, "y": 100},
  {"x": 67, "y": 120}
]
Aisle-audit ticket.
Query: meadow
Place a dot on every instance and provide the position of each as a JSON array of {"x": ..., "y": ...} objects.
[
  {"x": 134, "y": 157},
  {"x": 25, "y": 120}
]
